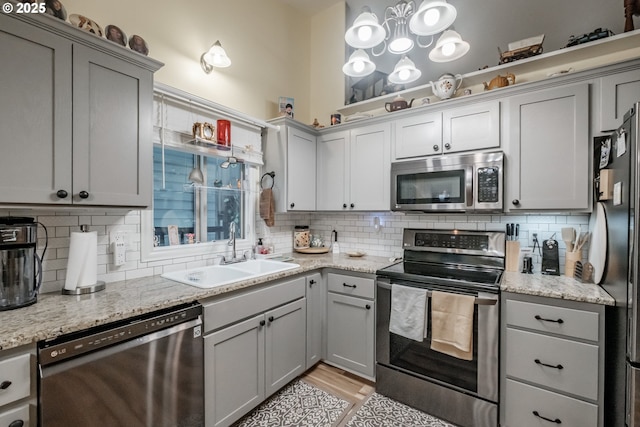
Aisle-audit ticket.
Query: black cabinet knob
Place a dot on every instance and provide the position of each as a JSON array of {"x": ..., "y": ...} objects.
[
  {"x": 447, "y": 146},
  {"x": 368, "y": 307},
  {"x": 344, "y": 205},
  {"x": 5, "y": 385},
  {"x": 262, "y": 323},
  {"x": 353, "y": 205},
  {"x": 83, "y": 194},
  {"x": 271, "y": 319},
  {"x": 436, "y": 148},
  {"x": 515, "y": 202},
  {"x": 17, "y": 423},
  {"x": 312, "y": 282},
  {"x": 62, "y": 194},
  {"x": 292, "y": 205}
]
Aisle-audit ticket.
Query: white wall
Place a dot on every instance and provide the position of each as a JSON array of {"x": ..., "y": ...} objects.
[{"x": 268, "y": 43}]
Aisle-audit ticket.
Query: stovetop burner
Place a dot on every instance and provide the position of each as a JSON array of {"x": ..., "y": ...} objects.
[{"x": 454, "y": 258}]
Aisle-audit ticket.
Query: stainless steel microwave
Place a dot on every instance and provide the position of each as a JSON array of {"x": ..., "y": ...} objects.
[{"x": 451, "y": 183}]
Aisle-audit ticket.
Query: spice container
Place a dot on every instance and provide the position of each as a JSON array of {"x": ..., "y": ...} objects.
[{"x": 301, "y": 237}]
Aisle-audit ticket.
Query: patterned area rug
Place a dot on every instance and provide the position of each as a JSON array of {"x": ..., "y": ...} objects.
[
  {"x": 298, "y": 404},
  {"x": 381, "y": 411}
]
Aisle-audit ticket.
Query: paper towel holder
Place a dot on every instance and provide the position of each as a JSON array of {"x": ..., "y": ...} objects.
[{"x": 98, "y": 286}]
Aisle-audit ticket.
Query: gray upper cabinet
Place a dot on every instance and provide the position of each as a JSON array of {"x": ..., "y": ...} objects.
[
  {"x": 353, "y": 169},
  {"x": 291, "y": 154},
  {"x": 548, "y": 150},
  {"x": 470, "y": 127},
  {"x": 618, "y": 92},
  {"x": 78, "y": 113}
]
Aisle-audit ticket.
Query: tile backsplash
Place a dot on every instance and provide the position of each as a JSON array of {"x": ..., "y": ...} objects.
[{"x": 356, "y": 231}]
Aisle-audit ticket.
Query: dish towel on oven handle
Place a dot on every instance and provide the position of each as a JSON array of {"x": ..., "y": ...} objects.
[
  {"x": 408, "y": 312},
  {"x": 452, "y": 324}
]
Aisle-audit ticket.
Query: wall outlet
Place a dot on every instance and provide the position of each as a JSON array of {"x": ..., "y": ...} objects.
[{"x": 119, "y": 247}]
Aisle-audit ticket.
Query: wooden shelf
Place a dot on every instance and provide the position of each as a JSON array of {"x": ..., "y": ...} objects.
[{"x": 582, "y": 57}]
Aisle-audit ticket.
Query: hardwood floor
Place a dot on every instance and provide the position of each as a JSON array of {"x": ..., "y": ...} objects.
[{"x": 341, "y": 383}]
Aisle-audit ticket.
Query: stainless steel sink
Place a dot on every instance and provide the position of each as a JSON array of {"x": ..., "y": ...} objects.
[{"x": 220, "y": 275}]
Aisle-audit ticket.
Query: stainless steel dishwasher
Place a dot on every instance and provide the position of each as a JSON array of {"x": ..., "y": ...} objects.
[{"x": 146, "y": 371}]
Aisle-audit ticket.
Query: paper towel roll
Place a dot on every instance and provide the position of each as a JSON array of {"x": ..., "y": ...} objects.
[{"x": 82, "y": 264}]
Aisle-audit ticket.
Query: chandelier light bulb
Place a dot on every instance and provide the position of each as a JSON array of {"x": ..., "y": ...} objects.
[
  {"x": 404, "y": 75},
  {"x": 358, "y": 66},
  {"x": 401, "y": 45},
  {"x": 364, "y": 33},
  {"x": 431, "y": 17},
  {"x": 448, "y": 49}
]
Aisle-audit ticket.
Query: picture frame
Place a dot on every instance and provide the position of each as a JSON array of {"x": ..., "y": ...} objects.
[
  {"x": 285, "y": 106},
  {"x": 174, "y": 236}
]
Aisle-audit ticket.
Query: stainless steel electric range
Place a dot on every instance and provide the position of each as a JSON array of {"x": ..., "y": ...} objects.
[{"x": 464, "y": 392}]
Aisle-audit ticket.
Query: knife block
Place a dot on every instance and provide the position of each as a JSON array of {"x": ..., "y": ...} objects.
[{"x": 512, "y": 255}]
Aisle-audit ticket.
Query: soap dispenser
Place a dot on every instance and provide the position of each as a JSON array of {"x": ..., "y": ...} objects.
[{"x": 335, "y": 247}]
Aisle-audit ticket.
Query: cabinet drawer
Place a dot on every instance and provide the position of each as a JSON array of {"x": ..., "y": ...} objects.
[
  {"x": 579, "y": 361},
  {"x": 350, "y": 285},
  {"x": 15, "y": 371},
  {"x": 20, "y": 413},
  {"x": 523, "y": 400},
  {"x": 228, "y": 310},
  {"x": 559, "y": 320}
]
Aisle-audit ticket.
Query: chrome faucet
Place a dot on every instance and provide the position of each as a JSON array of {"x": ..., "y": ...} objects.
[{"x": 232, "y": 243}]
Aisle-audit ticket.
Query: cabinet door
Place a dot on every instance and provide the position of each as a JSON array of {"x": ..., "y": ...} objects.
[
  {"x": 301, "y": 171},
  {"x": 618, "y": 92},
  {"x": 369, "y": 168},
  {"x": 35, "y": 117},
  {"x": 548, "y": 150},
  {"x": 332, "y": 180},
  {"x": 315, "y": 318},
  {"x": 285, "y": 344},
  {"x": 473, "y": 127},
  {"x": 112, "y": 151},
  {"x": 350, "y": 333},
  {"x": 234, "y": 371},
  {"x": 418, "y": 136}
]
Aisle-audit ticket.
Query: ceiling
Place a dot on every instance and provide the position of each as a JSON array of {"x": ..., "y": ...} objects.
[{"x": 310, "y": 7}]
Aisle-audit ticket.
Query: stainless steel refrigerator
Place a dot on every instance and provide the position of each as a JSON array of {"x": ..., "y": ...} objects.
[{"x": 620, "y": 278}]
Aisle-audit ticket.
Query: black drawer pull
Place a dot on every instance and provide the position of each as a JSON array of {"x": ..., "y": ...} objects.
[
  {"x": 557, "y": 420},
  {"x": 5, "y": 385},
  {"x": 558, "y": 366},
  {"x": 542, "y": 319},
  {"x": 17, "y": 423},
  {"x": 349, "y": 286}
]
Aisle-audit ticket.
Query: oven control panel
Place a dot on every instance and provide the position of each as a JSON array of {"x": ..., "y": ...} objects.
[
  {"x": 452, "y": 241},
  {"x": 469, "y": 242}
]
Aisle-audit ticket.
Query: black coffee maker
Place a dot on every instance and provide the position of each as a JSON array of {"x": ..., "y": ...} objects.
[{"x": 20, "y": 266}]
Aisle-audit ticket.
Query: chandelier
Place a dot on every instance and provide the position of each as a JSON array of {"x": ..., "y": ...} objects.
[{"x": 396, "y": 35}]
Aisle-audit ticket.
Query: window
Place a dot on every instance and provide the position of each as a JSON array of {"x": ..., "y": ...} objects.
[{"x": 186, "y": 213}]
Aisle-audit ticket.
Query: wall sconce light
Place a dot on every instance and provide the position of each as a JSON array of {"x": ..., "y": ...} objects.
[{"x": 214, "y": 57}]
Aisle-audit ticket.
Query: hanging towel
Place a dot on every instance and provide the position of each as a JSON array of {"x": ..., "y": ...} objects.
[
  {"x": 408, "y": 312},
  {"x": 267, "y": 207},
  {"x": 452, "y": 324}
]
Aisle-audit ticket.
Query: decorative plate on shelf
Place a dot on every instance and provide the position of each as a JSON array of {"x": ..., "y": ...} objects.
[
  {"x": 86, "y": 24},
  {"x": 138, "y": 44},
  {"x": 322, "y": 250},
  {"x": 355, "y": 254},
  {"x": 116, "y": 35}
]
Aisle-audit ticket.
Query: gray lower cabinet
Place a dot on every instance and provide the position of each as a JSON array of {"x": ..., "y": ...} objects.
[
  {"x": 254, "y": 345},
  {"x": 552, "y": 362},
  {"x": 18, "y": 387},
  {"x": 351, "y": 323},
  {"x": 316, "y": 319},
  {"x": 80, "y": 108}
]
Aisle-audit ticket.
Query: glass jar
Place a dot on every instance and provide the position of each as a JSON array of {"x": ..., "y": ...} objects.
[{"x": 301, "y": 237}]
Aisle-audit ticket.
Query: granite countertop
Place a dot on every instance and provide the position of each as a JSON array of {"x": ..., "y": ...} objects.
[
  {"x": 561, "y": 287},
  {"x": 55, "y": 314}
]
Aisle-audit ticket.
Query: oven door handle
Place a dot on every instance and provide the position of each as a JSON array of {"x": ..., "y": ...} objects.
[{"x": 478, "y": 300}]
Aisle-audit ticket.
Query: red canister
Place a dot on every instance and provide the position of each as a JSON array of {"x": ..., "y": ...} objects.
[{"x": 224, "y": 134}]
